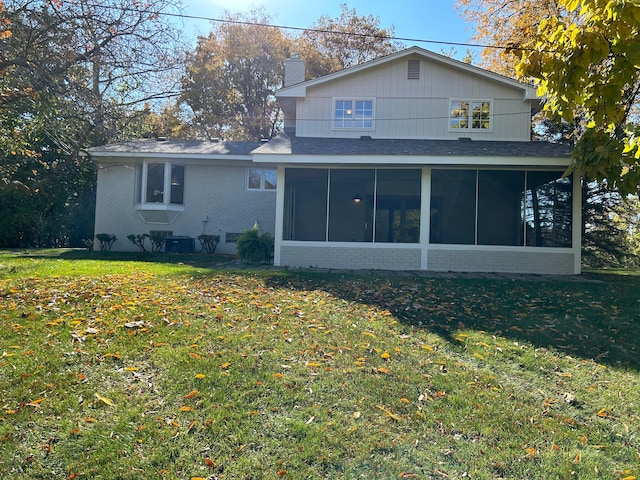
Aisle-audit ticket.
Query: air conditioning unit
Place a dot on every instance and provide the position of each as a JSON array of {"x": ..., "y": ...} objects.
[{"x": 179, "y": 244}]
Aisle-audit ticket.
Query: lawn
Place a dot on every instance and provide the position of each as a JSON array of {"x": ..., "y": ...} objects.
[{"x": 113, "y": 366}]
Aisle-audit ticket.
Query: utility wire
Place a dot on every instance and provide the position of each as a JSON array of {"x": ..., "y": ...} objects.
[{"x": 329, "y": 32}]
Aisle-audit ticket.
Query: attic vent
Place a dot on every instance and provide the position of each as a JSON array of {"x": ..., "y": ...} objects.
[{"x": 413, "y": 70}]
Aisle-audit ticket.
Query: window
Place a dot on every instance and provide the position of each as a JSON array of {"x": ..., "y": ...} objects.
[
  {"x": 470, "y": 115},
  {"x": 160, "y": 183},
  {"x": 261, "y": 178},
  {"x": 356, "y": 114},
  {"x": 501, "y": 207},
  {"x": 352, "y": 205}
]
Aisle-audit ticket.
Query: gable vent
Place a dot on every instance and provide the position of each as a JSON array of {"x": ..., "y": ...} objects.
[{"x": 413, "y": 70}]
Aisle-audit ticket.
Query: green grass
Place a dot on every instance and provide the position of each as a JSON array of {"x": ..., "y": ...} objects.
[{"x": 113, "y": 366}]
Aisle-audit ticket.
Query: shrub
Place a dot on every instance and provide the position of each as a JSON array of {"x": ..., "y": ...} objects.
[
  {"x": 209, "y": 242},
  {"x": 138, "y": 240},
  {"x": 157, "y": 241},
  {"x": 254, "y": 247},
  {"x": 106, "y": 240}
]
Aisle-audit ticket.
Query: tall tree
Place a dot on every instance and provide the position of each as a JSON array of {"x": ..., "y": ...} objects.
[
  {"x": 69, "y": 74},
  {"x": 232, "y": 76},
  {"x": 332, "y": 44},
  {"x": 592, "y": 66},
  {"x": 498, "y": 23}
]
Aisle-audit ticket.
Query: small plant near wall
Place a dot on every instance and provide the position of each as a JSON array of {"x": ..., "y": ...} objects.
[
  {"x": 255, "y": 247},
  {"x": 138, "y": 240},
  {"x": 209, "y": 242},
  {"x": 106, "y": 240},
  {"x": 157, "y": 241}
]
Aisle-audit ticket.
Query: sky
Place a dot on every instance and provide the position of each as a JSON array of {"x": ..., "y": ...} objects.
[{"x": 435, "y": 20}]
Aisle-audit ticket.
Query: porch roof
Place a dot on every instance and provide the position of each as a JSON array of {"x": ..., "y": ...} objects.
[{"x": 463, "y": 147}]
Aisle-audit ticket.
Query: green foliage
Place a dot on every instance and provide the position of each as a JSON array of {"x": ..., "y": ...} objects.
[
  {"x": 156, "y": 370},
  {"x": 209, "y": 242},
  {"x": 254, "y": 246},
  {"x": 157, "y": 241},
  {"x": 592, "y": 66},
  {"x": 106, "y": 240},
  {"x": 139, "y": 240}
]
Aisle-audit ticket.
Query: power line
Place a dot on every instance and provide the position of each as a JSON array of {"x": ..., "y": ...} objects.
[{"x": 330, "y": 32}]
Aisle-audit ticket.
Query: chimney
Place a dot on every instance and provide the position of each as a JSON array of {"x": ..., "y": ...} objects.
[{"x": 294, "y": 70}]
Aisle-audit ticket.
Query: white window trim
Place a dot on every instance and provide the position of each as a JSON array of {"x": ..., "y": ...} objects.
[
  {"x": 353, "y": 99},
  {"x": 262, "y": 179},
  {"x": 166, "y": 196},
  {"x": 469, "y": 128}
]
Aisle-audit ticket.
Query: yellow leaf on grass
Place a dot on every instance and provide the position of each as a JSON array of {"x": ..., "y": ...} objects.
[
  {"x": 106, "y": 400},
  {"x": 313, "y": 364},
  {"x": 225, "y": 365},
  {"x": 388, "y": 413},
  {"x": 200, "y": 376},
  {"x": 382, "y": 370},
  {"x": 35, "y": 403},
  {"x": 386, "y": 355},
  {"x": 185, "y": 408},
  {"x": 602, "y": 413},
  {"x": 191, "y": 394},
  {"x": 278, "y": 375}
]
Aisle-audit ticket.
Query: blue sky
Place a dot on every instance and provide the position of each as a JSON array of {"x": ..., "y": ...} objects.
[{"x": 436, "y": 20}]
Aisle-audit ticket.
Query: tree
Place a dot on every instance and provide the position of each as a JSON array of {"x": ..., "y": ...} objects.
[
  {"x": 498, "y": 23},
  {"x": 70, "y": 73},
  {"x": 594, "y": 67},
  {"x": 232, "y": 76},
  {"x": 334, "y": 44}
]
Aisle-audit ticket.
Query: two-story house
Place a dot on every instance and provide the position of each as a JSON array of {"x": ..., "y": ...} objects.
[{"x": 413, "y": 161}]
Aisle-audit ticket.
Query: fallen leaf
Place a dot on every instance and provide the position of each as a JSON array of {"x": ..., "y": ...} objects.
[
  {"x": 388, "y": 413},
  {"x": 210, "y": 463},
  {"x": 185, "y": 408},
  {"x": 191, "y": 394},
  {"x": 106, "y": 400}
]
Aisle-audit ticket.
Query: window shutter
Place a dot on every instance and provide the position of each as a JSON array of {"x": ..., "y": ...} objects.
[{"x": 413, "y": 70}]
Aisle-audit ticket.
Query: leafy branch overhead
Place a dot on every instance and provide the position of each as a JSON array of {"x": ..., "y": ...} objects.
[{"x": 592, "y": 65}]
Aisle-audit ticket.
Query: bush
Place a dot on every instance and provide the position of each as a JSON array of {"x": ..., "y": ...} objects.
[
  {"x": 209, "y": 242},
  {"x": 253, "y": 247},
  {"x": 157, "y": 241},
  {"x": 106, "y": 240},
  {"x": 138, "y": 240}
]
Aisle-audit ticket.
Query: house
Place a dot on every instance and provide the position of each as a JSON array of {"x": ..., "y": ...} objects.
[
  {"x": 413, "y": 161},
  {"x": 182, "y": 189}
]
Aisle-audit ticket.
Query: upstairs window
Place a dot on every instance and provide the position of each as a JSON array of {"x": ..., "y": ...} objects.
[
  {"x": 470, "y": 115},
  {"x": 352, "y": 113},
  {"x": 160, "y": 183},
  {"x": 261, "y": 178}
]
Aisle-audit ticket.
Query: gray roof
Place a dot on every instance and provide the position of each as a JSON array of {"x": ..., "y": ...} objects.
[
  {"x": 285, "y": 145},
  {"x": 175, "y": 147}
]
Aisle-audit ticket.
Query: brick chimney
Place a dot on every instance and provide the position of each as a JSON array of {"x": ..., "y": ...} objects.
[{"x": 294, "y": 70}]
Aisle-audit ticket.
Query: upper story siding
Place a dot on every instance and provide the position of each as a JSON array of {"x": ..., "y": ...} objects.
[{"x": 414, "y": 108}]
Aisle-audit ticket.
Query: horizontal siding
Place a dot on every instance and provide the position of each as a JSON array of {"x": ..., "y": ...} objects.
[{"x": 414, "y": 108}]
